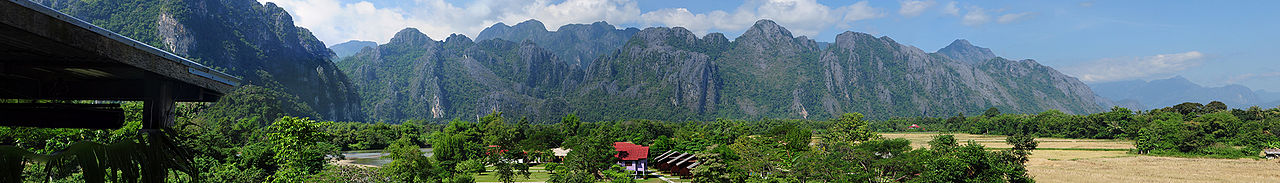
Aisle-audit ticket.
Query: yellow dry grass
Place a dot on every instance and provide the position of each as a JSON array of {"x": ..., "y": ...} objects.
[
  {"x": 1117, "y": 166},
  {"x": 1154, "y": 169},
  {"x": 997, "y": 141}
]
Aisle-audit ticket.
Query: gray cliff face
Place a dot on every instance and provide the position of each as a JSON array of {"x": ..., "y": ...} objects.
[
  {"x": 656, "y": 70},
  {"x": 961, "y": 50},
  {"x": 884, "y": 76},
  {"x": 672, "y": 74},
  {"x": 257, "y": 42},
  {"x": 772, "y": 73},
  {"x": 415, "y": 77}
]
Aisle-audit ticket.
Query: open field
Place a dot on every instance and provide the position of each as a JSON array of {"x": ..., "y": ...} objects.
[
  {"x": 1154, "y": 169},
  {"x": 1087, "y": 160},
  {"x": 996, "y": 141}
]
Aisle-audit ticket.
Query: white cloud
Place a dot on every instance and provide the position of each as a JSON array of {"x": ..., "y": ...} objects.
[
  {"x": 914, "y": 8},
  {"x": 802, "y": 17},
  {"x": 976, "y": 16},
  {"x": 336, "y": 21},
  {"x": 860, "y": 11},
  {"x": 951, "y": 9},
  {"x": 698, "y": 23},
  {"x": 1012, "y": 17},
  {"x": 332, "y": 21},
  {"x": 1116, "y": 69}
]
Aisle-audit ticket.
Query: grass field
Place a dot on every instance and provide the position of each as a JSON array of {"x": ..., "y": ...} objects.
[
  {"x": 1077, "y": 160},
  {"x": 1087, "y": 160},
  {"x": 996, "y": 141}
]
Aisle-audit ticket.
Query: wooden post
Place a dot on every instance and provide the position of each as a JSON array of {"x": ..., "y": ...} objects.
[{"x": 157, "y": 109}]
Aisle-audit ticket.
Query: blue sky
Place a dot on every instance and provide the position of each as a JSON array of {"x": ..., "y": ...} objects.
[{"x": 1212, "y": 43}]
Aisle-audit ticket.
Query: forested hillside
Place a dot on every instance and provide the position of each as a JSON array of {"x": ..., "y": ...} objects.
[
  {"x": 672, "y": 74},
  {"x": 244, "y": 38}
]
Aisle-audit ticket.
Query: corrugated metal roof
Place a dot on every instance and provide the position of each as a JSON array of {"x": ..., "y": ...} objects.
[{"x": 630, "y": 152}]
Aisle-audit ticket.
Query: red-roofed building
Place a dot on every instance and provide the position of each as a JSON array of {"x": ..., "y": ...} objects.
[{"x": 631, "y": 156}]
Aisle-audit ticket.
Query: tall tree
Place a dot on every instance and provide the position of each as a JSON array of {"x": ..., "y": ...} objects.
[
  {"x": 300, "y": 148},
  {"x": 991, "y": 112},
  {"x": 850, "y": 128},
  {"x": 408, "y": 163}
]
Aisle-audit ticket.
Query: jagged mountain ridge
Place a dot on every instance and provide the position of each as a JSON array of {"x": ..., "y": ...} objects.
[
  {"x": 962, "y": 50},
  {"x": 672, "y": 74},
  {"x": 257, "y": 42},
  {"x": 416, "y": 77},
  {"x": 576, "y": 44}
]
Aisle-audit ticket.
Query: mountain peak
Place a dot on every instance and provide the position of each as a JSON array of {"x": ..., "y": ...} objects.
[
  {"x": 962, "y": 50},
  {"x": 409, "y": 35},
  {"x": 768, "y": 29},
  {"x": 603, "y": 24},
  {"x": 533, "y": 24},
  {"x": 766, "y": 34},
  {"x": 518, "y": 32}
]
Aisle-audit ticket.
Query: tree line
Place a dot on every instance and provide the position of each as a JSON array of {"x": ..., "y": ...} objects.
[
  {"x": 251, "y": 135},
  {"x": 1187, "y": 129}
]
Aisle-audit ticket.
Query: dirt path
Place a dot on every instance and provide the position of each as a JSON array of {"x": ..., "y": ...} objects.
[{"x": 350, "y": 162}]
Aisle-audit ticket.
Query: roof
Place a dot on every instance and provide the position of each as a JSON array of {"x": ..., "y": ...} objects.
[
  {"x": 664, "y": 155},
  {"x": 630, "y": 152},
  {"x": 492, "y": 148},
  {"x": 1271, "y": 151},
  {"x": 675, "y": 159},
  {"x": 45, "y": 54},
  {"x": 561, "y": 151}
]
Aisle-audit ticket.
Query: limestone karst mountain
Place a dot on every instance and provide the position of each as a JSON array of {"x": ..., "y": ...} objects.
[{"x": 672, "y": 74}]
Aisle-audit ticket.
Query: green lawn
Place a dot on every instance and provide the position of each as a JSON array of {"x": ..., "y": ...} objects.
[
  {"x": 533, "y": 177},
  {"x": 537, "y": 173}
]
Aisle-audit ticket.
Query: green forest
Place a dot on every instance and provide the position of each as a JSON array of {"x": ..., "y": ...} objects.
[{"x": 252, "y": 135}]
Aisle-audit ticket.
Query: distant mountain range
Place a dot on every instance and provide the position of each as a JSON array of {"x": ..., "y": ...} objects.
[
  {"x": 604, "y": 73},
  {"x": 349, "y": 48},
  {"x": 1172, "y": 91}
]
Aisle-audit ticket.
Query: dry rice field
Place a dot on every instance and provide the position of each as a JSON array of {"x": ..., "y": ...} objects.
[{"x": 1089, "y": 160}]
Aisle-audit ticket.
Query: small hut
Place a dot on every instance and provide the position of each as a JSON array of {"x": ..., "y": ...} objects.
[
  {"x": 559, "y": 154},
  {"x": 1271, "y": 153},
  {"x": 677, "y": 163}
]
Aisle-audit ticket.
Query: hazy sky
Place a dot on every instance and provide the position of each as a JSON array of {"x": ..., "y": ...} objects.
[{"x": 1212, "y": 43}]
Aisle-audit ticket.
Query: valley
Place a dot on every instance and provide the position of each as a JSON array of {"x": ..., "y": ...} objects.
[{"x": 625, "y": 91}]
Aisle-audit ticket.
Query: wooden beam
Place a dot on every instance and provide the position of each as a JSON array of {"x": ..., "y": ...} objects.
[
  {"x": 47, "y": 115},
  {"x": 157, "y": 107}
]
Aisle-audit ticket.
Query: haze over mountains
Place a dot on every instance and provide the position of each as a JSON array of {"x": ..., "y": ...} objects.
[
  {"x": 349, "y": 48},
  {"x": 1160, "y": 93},
  {"x": 672, "y": 74}
]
